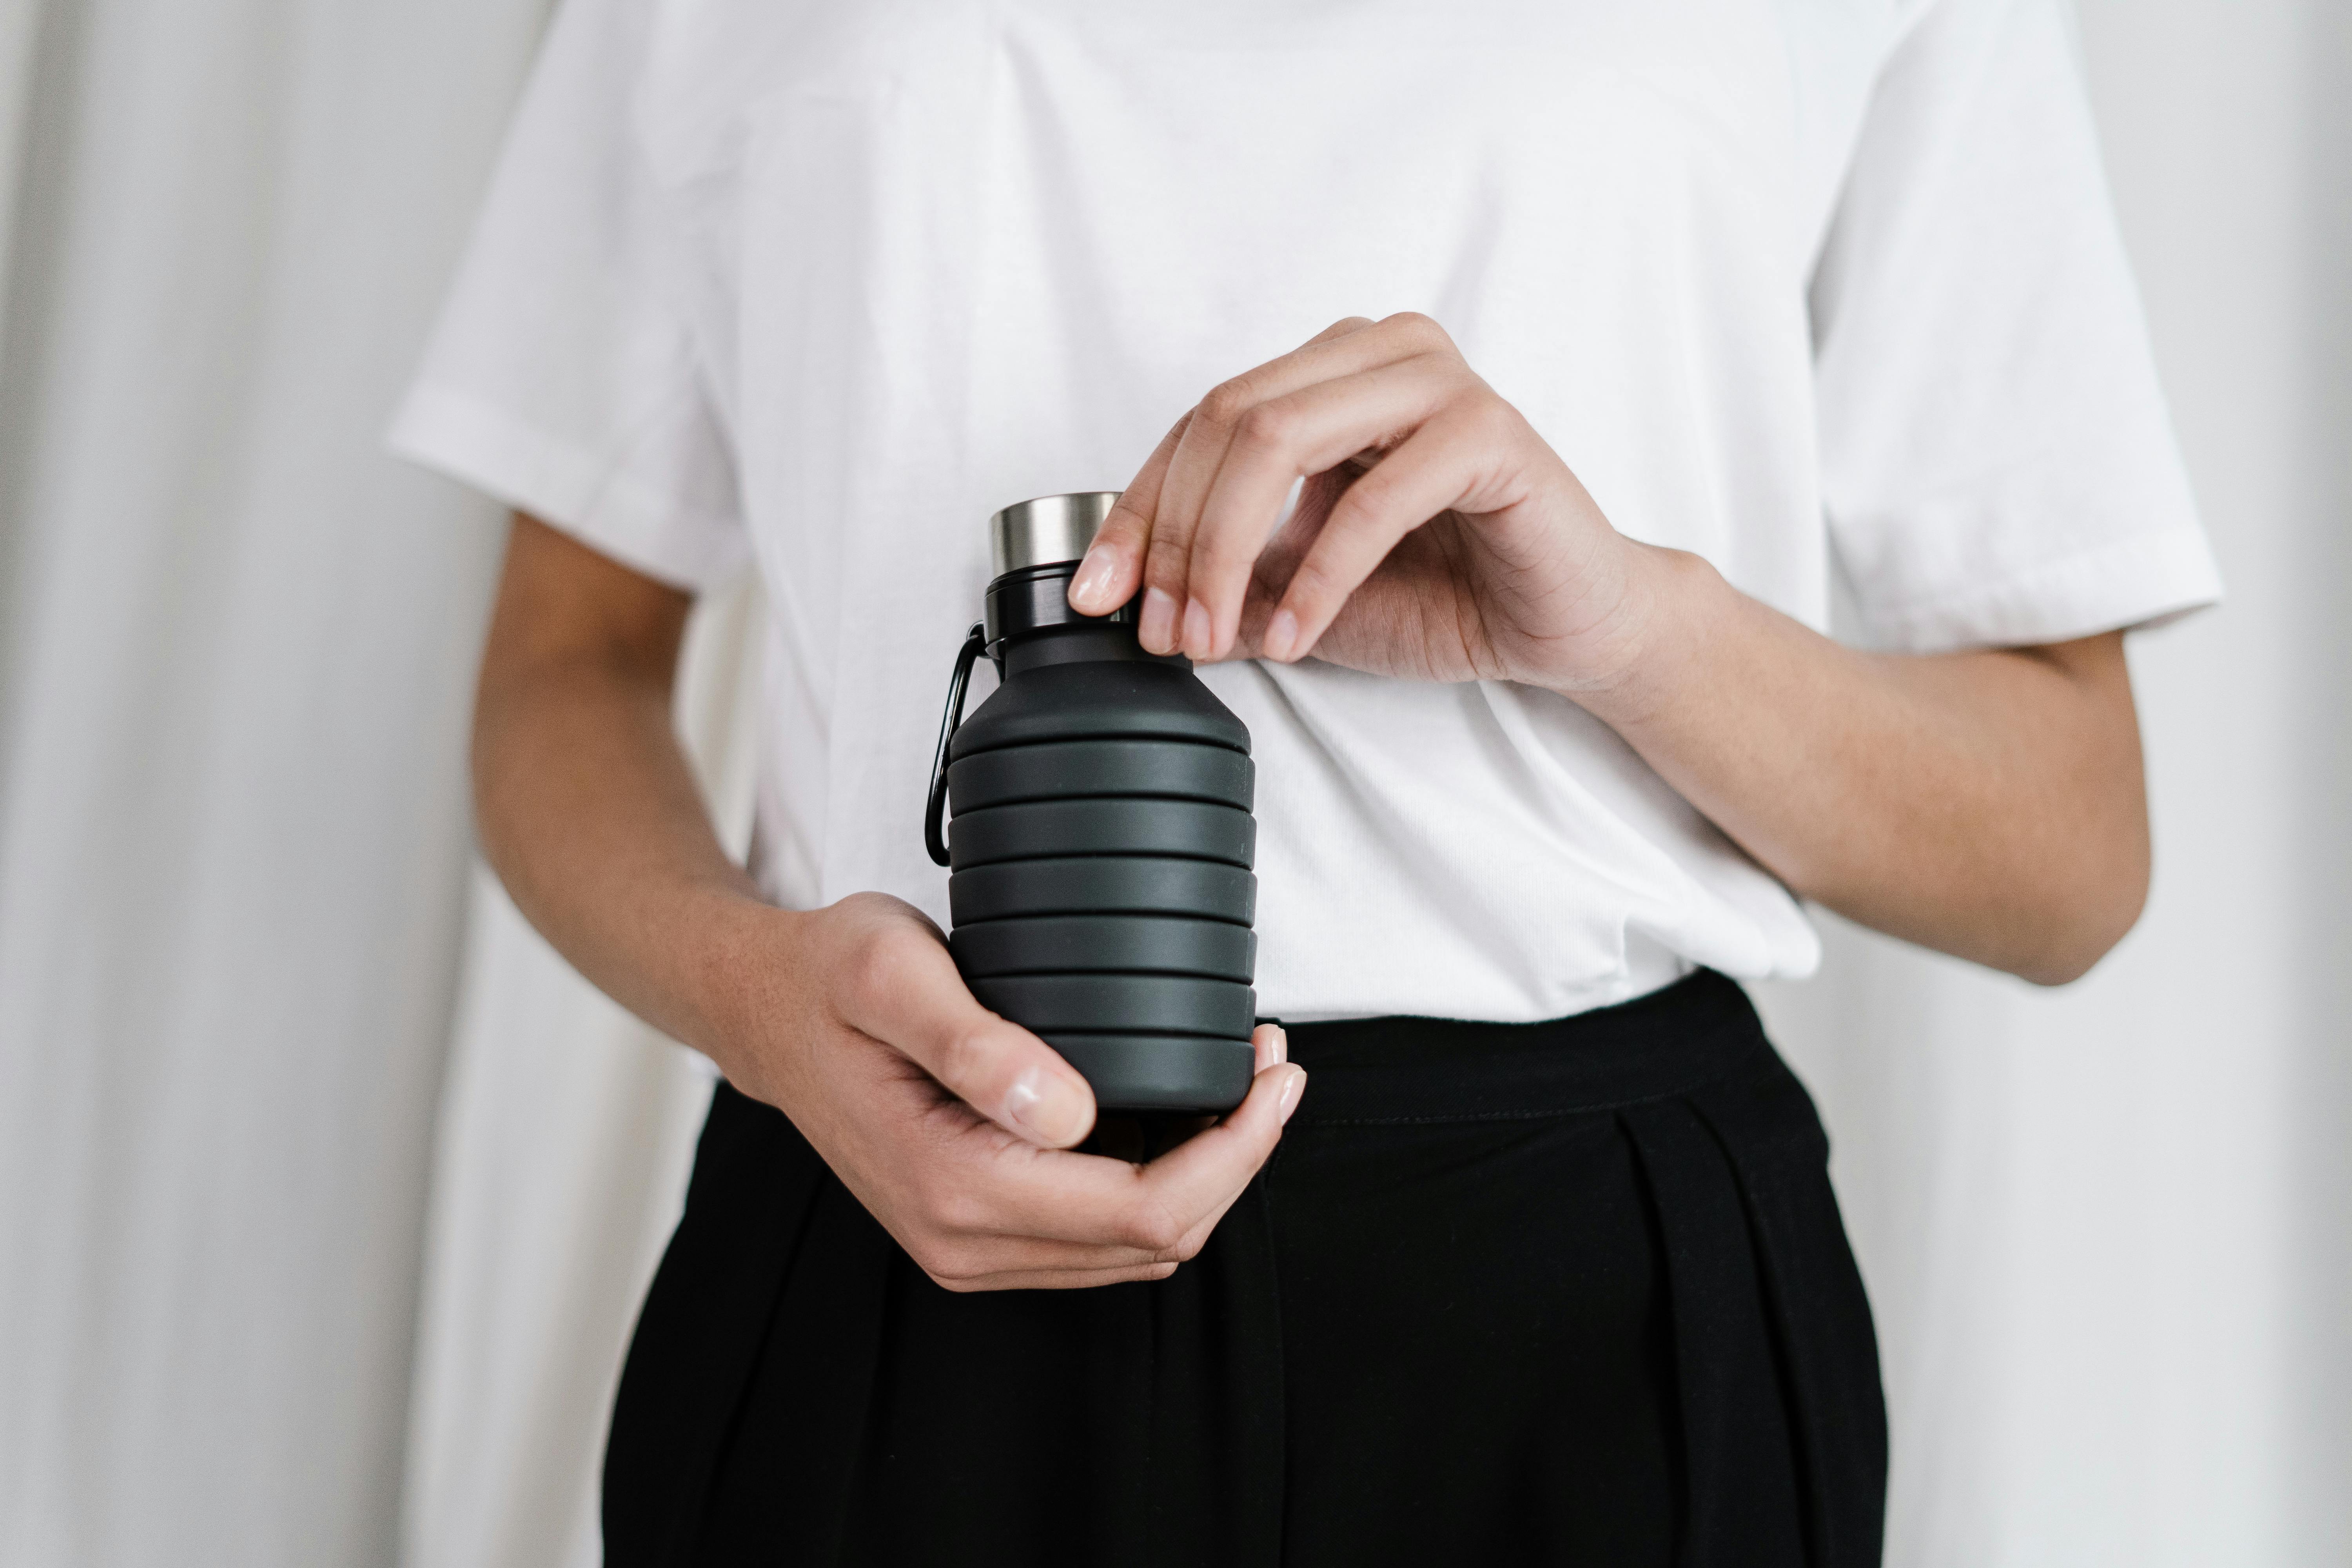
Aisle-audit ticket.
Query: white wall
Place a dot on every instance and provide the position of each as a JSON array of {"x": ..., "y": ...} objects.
[{"x": 2107, "y": 1228}]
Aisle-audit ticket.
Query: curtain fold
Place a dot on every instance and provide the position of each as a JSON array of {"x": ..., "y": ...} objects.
[
  {"x": 567, "y": 1131},
  {"x": 233, "y": 843}
]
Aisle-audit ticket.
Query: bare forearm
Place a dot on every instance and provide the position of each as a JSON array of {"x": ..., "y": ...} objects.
[
  {"x": 584, "y": 802},
  {"x": 1986, "y": 803},
  {"x": 590, "y": 817}
]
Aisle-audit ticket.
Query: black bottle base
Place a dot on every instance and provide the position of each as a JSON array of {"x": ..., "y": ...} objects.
[{"x": 1161, "y": 1072}]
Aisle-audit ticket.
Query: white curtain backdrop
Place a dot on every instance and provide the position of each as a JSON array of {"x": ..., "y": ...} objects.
[
  {"x": 260, "y": 1305},
  {"x": 235, "y": 645},
  {"x": 567, "y": 1131}
]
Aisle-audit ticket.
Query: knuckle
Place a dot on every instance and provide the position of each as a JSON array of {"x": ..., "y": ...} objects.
[
  {"x": 967, "y": 1279},
  {"x": 867, "y": 904},
  {"x": 1149, "y": 1227},
  {"x": 1374, "y": 495},
  {"x": 1228, "y": 401},
  {"x": 1269, "y": 425},
  {"x": 1358, "y": 508},
  {"x": 965, "y": 1057},
  {"x": 1170, "y": 561},
  {"x": 1170, "y": 542},
  {"x": 876, "y": 965},
  {"x": 1221, "y": 558},
  {"x": 1126, "y": 518},
  {"x": 946, "y": 1263},
  {"x": 1417, "y": 328},
  {"x": 1226, "y": 549},
  {"x": 1311, "y": 584},
  {"x": 1494, "y": 418},
  {"x": 946, "y": 1209}
]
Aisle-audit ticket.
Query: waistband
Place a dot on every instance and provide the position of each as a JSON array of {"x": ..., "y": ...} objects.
[{"x": 1400, "y": 1070}]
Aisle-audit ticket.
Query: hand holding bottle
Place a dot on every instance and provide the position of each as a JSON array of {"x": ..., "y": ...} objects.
[{"x": 952, "y": 1126}]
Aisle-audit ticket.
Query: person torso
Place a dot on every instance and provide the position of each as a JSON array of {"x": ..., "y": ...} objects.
[{"x": 945, "y": 255}]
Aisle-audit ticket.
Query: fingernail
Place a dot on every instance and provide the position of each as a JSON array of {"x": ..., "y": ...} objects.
[
  {"x": 1157, "y": 630},
  {"x": 1290, "y": 1094},
  {"x": 1042, "y": 1109},
  {"x": 1090, "y": 589},
  {"x": 1281, "y": 1044},
  {"x": 1281, "y": 635},
  {"x": 1200, "y": 636}
]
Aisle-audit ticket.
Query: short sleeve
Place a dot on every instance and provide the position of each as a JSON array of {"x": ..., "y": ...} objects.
[
  {"x": 1997, "y": 465},
  {"x": 562, "y": 376}
]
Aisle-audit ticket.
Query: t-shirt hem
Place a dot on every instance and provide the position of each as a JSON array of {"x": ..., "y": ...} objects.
[
  {"x": 1645, "y": 980},
  {"x": 644, "y": 527},
  {"x": 2134, "y": 584}
]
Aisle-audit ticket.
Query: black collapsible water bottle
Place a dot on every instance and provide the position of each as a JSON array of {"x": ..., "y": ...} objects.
[{"x": 1101, "y": 890}]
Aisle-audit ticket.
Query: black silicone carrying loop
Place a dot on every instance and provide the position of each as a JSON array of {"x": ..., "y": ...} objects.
[{"x": 975, "y": 643}]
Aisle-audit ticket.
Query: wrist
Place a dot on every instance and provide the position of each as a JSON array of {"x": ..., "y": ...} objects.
[
  {"x": 741, "y": 972},
  {"x": 1674, "y": 602}
]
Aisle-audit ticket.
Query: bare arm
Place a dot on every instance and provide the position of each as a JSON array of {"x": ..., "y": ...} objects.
[
  {"x": 1989, "y": 803},
  {"x": 951, "y": 1125},
  {"x": 1986, "y": 804},
  {"x": 585, "y": 802}
]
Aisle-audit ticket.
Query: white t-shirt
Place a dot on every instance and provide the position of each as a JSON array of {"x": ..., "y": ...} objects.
[{"x": 1799, "y": 285}]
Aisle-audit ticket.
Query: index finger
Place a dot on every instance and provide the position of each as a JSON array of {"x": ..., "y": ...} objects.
[{"x": 1112, "y": 567}]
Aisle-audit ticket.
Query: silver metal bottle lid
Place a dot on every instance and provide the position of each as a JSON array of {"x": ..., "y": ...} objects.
[{"x": 1046, "y": 529}]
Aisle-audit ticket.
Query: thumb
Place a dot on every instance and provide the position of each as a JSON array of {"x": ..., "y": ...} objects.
[{"x": 913, "y": 1000}]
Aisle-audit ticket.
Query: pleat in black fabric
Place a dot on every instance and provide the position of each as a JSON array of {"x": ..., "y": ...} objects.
[{"x": 1572, "y": 1293}]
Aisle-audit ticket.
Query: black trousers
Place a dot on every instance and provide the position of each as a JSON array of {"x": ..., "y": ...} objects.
[{"x": 1573, "y": 1292}]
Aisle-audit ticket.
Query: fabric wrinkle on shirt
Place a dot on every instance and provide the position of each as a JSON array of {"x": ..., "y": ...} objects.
[{"x": 814, "y": 287}]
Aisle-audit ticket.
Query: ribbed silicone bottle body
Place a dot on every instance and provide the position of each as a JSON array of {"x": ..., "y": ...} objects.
[{"x": 1101, "y": 847}]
